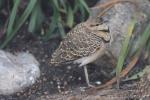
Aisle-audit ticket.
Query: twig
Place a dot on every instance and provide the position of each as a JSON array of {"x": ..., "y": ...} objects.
[
  {"x": 123, "y": 74},
  {"x": 107, "y": 6}
]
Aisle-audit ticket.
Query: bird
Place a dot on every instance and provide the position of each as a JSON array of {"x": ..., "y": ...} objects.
[{"x": 85, "y": 43}]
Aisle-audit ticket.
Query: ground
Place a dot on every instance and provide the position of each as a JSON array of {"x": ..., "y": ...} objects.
[{"x": 53, "y": 80}]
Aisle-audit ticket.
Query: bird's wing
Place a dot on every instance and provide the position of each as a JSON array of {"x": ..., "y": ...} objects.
[{"x": 79, "y": 42}]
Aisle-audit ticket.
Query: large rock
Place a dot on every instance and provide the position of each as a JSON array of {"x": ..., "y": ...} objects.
[
  {"x": 118, "y": 19},
  {"x": 17, "y": 71}
]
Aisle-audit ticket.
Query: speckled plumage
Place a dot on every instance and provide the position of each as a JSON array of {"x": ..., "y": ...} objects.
[
  {"x": 82, "y": 45},
  {"x": 79, "y": 42}
]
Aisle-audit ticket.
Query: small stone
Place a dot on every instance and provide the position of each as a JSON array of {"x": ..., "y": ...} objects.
[
  {"x": 21, "y": 91},
  {"x": 29, "y": 93},
  {"x": 47, "y": 97},
  {"x": 40, "y": 81},
  {"x": 33, "y": 91},
  {"x": 44, "y": 79},
  {"x": 70, "y": 77},
  {"x": 43, "y": 74},
  {"x": 79, "y": 78},
  {"x": 58, "y": 87},
  {"x": 46, "y": 56},
  {"x": 82, "y": 89},
  {"x": 18, "y": 94},
  {"x": 68, "y": 67},
  {"x": 73, "y": 98},
  {"x": 43, "y": 60},
  {"x": 45, "y": 92},
  {"x": 51, "y": 82},
  {"x": 98, "y": 82},
  {"x": 66, "y": 92}
]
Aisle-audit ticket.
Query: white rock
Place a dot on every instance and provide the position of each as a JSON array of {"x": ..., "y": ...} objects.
[{"x": 17, "y": 71}]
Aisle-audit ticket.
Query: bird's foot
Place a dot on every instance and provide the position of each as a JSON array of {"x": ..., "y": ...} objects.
[{"x": 91, "y": 86}]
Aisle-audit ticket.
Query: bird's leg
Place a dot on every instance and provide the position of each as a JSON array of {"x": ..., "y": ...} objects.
[{"x": 87, "y": 76}]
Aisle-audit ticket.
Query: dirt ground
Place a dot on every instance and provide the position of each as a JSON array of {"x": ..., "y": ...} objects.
[{"x": 53, "y": 80}]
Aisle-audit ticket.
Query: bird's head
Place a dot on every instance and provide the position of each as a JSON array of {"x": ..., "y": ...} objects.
[{"x": 100, "y": 29}]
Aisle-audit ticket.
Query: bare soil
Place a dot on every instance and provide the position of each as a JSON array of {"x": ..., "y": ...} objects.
[{"x": 53, "y": 80}]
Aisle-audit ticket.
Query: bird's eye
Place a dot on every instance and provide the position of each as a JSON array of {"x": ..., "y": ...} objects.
[
  {"x": 97, "y": 24},
  {"x": 106, "y": 30},
  {"x": 92, "y": 25}
]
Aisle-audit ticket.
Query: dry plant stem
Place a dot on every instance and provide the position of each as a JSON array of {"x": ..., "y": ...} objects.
[
  {"x": 106, "y": 7},
  {"x": 113, "y": 2},
  {"x": 123, "y": 73},
  {"x": 110, "y": 4}
]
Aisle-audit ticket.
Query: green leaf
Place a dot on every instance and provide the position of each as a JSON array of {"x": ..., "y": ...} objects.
[
  {"x": 55, "y": 19},
  {"x": 124, "y": 49},
  {"x": 20, "y": 22},
  {"x": 1, "y": 3},
  {"x": 36, "y": 19},
  {"x": 148, "y": 47},
  {"x": 12, "y": 17},
  {"x": 33, "y": 19},
  {"x": 76, "y": 7},
  {"x": 84, "y": 5},
  {"x": 135, "y": 76},
  {"x": 52, "y": 28},
  {"x": 56, "y": 4},
  {"x": 61, "y": 30},
  {"x": 139, "y": 74},
  {"x": 142, "y": 43},
  {"x": 82, "y": 13},
  {"x": 62, "y": 2},
  {"x": 70, "y": 17},
  {"x": 144, "y": 38}
]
